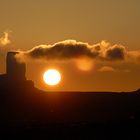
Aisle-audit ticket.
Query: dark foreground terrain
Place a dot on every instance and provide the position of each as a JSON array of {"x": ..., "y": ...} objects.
[
  {"x": 30, "y": 113},
  {"x": 127, "y": 130}
]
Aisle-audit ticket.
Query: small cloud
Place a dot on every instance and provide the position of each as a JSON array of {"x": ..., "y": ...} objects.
[
  {"x": 4, "y": 40},
  {"x": 116, "y": 52},
  {"x": 20, "y": 57},
  {"x": 107, "y": 69}
]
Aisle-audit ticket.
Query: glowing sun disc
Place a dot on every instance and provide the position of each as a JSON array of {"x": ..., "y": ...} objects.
[{"x": 52, "y": 77}]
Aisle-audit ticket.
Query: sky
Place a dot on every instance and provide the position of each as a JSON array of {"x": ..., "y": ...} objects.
[{"x": 32, "y": 23}]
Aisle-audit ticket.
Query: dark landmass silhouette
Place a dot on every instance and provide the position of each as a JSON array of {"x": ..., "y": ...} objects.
[{"x": 25, "y": 109}]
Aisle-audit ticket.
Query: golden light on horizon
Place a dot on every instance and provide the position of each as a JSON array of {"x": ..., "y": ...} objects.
[{"x": 52, "y": 77}]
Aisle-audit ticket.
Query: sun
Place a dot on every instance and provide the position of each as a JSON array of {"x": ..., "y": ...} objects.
[{"x": 52, "y": 77}]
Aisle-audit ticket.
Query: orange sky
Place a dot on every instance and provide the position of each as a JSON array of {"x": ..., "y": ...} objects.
[{"x": 30, "y": 23}]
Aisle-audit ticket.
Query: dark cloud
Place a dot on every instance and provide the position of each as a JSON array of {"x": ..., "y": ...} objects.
[
  {"x": 116, "y": 52},
  {"x": 71, "y": 49},
  {"x": 62, "y": 50}
]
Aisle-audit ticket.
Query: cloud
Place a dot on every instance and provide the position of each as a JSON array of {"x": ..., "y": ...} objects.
[
  {"x": 4, "y": 40},
  {"x": 107, "y": 69},
  {"x": 116, "y": 52},
  {"x": 68, "y": 49},
  {"x": 111, "y": 69},
  {"x": 72, "y": 49},
  {"x": 110, "y": 52}
]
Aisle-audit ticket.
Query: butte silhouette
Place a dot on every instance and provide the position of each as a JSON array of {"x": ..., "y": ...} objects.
[{"x": 15, "y": 74}]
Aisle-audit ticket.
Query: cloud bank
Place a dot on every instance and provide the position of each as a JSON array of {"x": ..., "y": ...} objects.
[
  {"x": 4, "y": 40},
  {"x": 72, "y": 49},
  {"x": 67, "y": 49}
]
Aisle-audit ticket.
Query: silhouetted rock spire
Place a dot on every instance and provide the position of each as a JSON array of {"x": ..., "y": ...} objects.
[
  {"x": 15, "y": 74},
  {"x": 14, "y": 68}
]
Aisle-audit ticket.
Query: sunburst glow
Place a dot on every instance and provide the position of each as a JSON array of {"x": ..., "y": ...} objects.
[{"x": 52, "y": 77}]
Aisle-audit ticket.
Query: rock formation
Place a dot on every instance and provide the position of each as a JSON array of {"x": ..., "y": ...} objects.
[{"x": 15, "y": 73}]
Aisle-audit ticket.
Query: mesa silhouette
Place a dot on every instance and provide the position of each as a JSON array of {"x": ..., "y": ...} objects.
[{"x": 21, "y": 101}]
